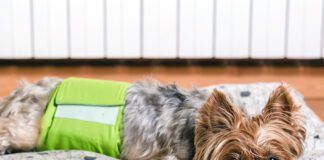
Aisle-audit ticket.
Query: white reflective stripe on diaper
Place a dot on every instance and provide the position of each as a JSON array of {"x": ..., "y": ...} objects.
[{"x": 98, "y": 114}]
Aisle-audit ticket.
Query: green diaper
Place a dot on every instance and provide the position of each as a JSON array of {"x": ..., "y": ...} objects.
[{"x": 85, "y": 114}]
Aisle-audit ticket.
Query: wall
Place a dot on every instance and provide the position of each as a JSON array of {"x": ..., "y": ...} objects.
[{"x": 87, "y": 29}]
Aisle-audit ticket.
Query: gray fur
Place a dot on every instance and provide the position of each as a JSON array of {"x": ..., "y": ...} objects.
[
  {"x": 159, "y": 120},
  {"x": 21, "y": 113}
]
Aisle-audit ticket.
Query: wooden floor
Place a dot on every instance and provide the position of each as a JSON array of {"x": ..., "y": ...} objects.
[{"x": 308, "y": 80}]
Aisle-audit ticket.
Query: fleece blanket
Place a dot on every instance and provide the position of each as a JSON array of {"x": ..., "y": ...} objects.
[{"x": 252, "y": 97}]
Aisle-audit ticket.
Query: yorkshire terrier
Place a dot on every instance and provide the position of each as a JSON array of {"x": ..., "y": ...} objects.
[{"x": 165, "y": 122}]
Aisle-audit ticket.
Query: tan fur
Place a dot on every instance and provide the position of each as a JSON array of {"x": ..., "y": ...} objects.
[
  {"x": 21, "y": 113},
  {"x": 224, "y": 132}
]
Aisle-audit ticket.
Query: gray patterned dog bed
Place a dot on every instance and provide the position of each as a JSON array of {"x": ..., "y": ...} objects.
[
  {"x": 252, "y": 97},
  {"x": 56, "y": 155}
]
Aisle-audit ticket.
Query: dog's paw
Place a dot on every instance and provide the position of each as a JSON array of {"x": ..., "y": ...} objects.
[
  {"x": 170, "y": 157},
  {"x": 4, "y": 147}
]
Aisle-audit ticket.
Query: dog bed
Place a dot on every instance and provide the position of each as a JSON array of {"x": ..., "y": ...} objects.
[
  {"x": 251, "y": 97},
  {"x": 57, "y": 155}
]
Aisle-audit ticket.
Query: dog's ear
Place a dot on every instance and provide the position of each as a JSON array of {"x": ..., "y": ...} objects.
[
  {"x": 280, "y": 106},
  {"x": 281, "y": 111},
  {"x": 217, "y": 114}
]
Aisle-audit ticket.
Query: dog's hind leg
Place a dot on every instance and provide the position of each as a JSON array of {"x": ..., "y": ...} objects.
[
  {"x": 21, "y": 113},
  {"x": 4, "y": 136},
  {"x": 17, "y": 134}
]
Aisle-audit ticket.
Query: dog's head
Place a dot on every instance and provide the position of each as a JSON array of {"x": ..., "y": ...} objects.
[{"x": 224, "y": 132}]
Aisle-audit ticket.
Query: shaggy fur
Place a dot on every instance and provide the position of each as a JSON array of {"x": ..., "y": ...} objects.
[
  {"x": 161, "y": 123},
  {"x": 224, "y": 132},
  {"x": 21, "y": 113}
]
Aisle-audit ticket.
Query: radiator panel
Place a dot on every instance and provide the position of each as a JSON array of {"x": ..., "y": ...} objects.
[{"x": 161, "y": 29}]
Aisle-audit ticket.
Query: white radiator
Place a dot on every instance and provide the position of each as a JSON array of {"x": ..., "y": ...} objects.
[{"x": 60, "y": 29}]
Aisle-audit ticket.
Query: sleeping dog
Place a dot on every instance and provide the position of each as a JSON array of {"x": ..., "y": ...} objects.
[{"x": 158, "y": 122}]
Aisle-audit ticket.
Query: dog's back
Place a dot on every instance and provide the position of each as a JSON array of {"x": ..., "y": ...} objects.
[{"x": 159, "y": 121}]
